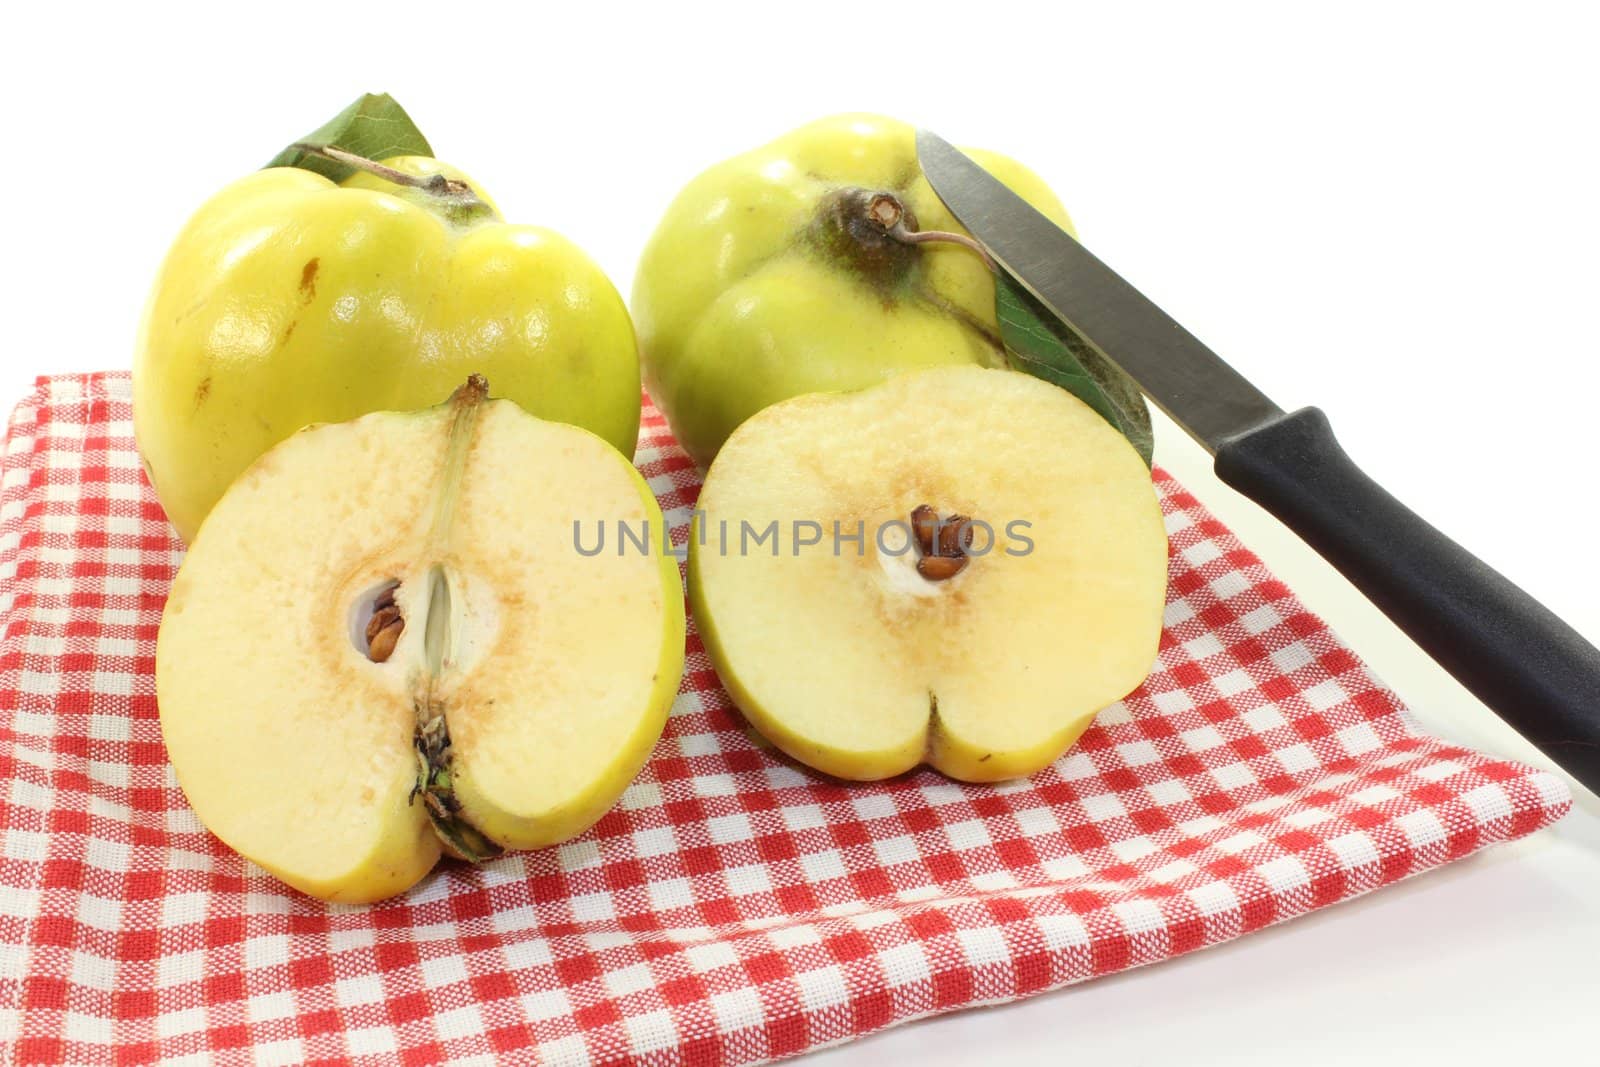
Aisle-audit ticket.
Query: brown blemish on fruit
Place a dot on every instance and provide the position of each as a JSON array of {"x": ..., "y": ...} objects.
[
  {"x": 849, "y": 228},
  {"x": 308, "y": 279},
  {"x": 202, "y": 391},
  {"x": 288, "y": 331}
]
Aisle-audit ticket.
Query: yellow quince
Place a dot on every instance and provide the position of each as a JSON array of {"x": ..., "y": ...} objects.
[
  {"x": 785, "y": 271},
  {"x": 289, "y": 300}
]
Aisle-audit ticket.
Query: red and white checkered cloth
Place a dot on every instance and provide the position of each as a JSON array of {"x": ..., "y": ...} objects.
[{"x": 732, "y": 908}]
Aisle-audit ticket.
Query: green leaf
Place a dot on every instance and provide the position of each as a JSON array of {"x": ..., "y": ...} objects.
[
  {"x": 1042, "y": 345},
  {"x": 374, "y": 127}
]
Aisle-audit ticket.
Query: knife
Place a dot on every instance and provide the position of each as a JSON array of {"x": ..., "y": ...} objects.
[{"x": 1513, "y": 653}]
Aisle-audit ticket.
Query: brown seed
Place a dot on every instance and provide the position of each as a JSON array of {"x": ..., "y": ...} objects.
[
  {"x": 923, "y": 522},
  {"x": 382, "y": 646},
  {"x": 955, "y": 534},
  {"x": 385, "y": 599},
  {"x": 940, "y": 568},
  {"x": 381, "y": 618}
]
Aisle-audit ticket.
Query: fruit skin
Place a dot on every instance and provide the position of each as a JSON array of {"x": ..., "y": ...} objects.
[
  {"x": 740, "y": 302},
  {"x": 287, "y": 300}
]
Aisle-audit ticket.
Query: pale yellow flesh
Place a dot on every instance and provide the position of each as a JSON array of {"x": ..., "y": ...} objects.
[
  {"x": 840, "y": 659},
  {"x": 296, "y": 750}
]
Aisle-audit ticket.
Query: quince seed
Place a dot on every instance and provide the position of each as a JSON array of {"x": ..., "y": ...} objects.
[
  {"x": 940, "y": 568},
  {"x": 924, "y": 521},
  {"x": 383, "y": 642}
]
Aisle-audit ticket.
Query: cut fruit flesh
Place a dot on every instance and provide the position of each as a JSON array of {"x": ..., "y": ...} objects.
[
  {"x": 553, "y": 670},
  {"x": 854, "y": 663}
]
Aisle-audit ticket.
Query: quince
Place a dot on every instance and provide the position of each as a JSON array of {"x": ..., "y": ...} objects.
[
  {"x": 959, "y": 567},
  {"x": 384, "y": 644},
  {"x": 289, "y": 300},
  {"x": 773, "y": 275}
]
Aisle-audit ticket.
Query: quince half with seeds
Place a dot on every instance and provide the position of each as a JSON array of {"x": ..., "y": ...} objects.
[
  {"x": 958, "y": 567},
  {"x": 385, "y": 644}
]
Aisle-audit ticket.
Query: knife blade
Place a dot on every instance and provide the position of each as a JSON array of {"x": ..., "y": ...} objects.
[
  {"x": 1191, "y": 383},
  {"x": 1528, "y": 666}
]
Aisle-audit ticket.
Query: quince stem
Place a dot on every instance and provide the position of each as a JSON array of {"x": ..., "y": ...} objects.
[
  {"x": 437, "y": 184},
  {"x": 466, "y": 404},
  {"x": 887, "y": 211}
]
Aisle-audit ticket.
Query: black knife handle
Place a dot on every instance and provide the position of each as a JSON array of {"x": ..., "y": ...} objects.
[{"x": 1516, "y": 656}]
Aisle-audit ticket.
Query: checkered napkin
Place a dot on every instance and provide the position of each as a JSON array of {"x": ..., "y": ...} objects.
[{"x": 732, "y": 908}]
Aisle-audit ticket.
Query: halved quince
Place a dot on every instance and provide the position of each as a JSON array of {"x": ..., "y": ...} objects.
[
  {"x": 968, "y": 564},
  {"x": 384, "y": 644}
]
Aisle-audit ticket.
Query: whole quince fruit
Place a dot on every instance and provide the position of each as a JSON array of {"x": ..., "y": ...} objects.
[
  {"x": 787, "y": 271},
  {"x": 289, "y": 300}
]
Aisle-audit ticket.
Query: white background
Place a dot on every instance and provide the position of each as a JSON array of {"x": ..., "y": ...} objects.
[{"x": 1387, "y": 210}]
